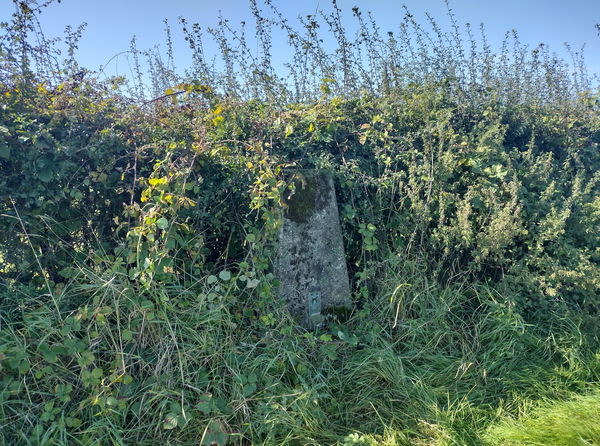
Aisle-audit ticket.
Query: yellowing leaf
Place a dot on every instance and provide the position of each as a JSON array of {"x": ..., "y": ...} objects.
[
  {"x": 170, "y": 421},
  {"x": 157, "y": 181},
  {"x": 289, "y": 130}
]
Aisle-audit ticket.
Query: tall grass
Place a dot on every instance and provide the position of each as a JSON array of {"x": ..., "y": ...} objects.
[{"x": 419, "y": 364}]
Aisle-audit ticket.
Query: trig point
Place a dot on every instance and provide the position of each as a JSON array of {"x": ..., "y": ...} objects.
[{"x": 310, "y": 264}]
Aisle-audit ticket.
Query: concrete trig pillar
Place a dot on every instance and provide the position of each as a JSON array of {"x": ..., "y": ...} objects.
[{"x": 310, "y": 262}]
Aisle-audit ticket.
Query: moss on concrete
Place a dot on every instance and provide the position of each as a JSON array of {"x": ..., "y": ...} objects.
[{"x": 301, "y": 198}]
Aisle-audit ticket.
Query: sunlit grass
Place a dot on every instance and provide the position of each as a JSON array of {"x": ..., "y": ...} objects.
[
  {"x": 574, "y": 422},
  {"x": 436, "y": 371}
]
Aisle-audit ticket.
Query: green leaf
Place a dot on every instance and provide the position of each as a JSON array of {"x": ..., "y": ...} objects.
[
  {"x": 205, "y": 404},
  {"x": 252, "y": 283},
  {"x": 86, "y": 359},
  {"x": 4, "y": 151},
  {"x": 48, "y": 353},
  {"x": 24, "y": 366},
  {"x": 330, "y": 351},
  {"x": 211, "y": 279},
  {"x": 215, "y": 435},
  {"x": 249, "y": 389},
  {"x": 73, "y": 422},
  {"x": 127, "y": 335},
  {"x": 147, "y": 305},
  {"x": 162, "y": 223},
  {"x": 45, "y": 175},
  {"x": 170, "y": 421},
  {"x": 225, "y": 275},
  {"x": 182, "y": 420},
  {"x": 67, "y": 272}
]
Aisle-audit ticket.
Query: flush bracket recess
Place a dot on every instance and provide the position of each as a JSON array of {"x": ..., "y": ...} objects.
[{"x": 314, "y": 308}]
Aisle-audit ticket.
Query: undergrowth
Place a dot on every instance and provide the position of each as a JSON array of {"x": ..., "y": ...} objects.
[
  {"x": 186, "y": 365},
  {"x": 138, "y": 222}
]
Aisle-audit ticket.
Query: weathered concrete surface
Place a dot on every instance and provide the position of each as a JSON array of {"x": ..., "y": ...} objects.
[{"x": 310, "y": 262}]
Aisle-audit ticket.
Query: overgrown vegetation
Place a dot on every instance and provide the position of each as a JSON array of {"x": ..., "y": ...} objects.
[{"x": 138, "y": 223}]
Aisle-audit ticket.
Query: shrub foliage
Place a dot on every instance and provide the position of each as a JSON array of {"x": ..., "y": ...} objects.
[{"x": 137, "y": 237}]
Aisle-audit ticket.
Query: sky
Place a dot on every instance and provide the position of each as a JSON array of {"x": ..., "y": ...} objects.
[{"x": 112, "y": 23}]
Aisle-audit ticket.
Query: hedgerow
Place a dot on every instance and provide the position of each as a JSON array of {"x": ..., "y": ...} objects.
[{"x": 137, "y": 239}]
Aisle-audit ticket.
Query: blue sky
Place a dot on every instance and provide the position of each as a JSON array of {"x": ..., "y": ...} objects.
[{"x": 112, "y": 23}]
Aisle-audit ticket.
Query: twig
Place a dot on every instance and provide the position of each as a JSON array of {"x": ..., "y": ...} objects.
[{"x": 164, "y": 97}]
